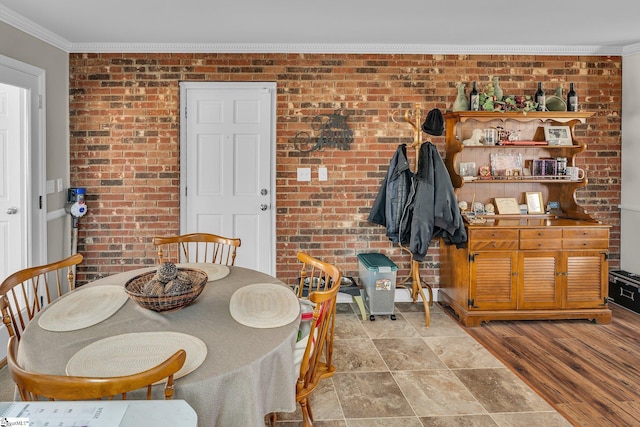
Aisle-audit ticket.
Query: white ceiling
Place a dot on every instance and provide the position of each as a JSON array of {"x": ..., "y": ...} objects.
[{"x": 404, "y": 26}]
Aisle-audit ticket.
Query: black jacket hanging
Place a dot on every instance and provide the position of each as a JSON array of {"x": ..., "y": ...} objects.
[
  {"x": 392, "y": 196},
  {"x": 431, "y": 209}
]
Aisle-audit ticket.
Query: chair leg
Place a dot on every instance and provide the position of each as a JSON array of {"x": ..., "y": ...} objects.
[{"x": 307, "y": 416}]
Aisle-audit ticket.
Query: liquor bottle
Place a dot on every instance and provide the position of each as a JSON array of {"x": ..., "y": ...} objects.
[
  {"x": 474, "y": 98},
  {"x": 572, "y": 99},
  {"x": 540, "y": 98}
]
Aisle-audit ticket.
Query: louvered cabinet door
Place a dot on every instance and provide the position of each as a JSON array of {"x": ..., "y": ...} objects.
[
  {"x": 493, "y": 280},
  {"x": 540, "y": 280},
  {"x": 586, "y": 276}
]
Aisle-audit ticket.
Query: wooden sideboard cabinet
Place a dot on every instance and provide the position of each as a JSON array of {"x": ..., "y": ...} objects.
[{"x": 524, "y": 266}]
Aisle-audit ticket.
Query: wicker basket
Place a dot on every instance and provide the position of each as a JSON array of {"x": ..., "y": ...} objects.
[{"x": 134, "y": 287}]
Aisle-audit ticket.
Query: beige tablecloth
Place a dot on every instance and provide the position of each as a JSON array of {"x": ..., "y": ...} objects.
[{"x": 248, "y": 372}]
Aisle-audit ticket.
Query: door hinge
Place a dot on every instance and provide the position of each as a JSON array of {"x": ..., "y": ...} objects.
[
  {"x": 40, "y": 201},
  {"x": 472, "y": 303},
  {"x": 40, "y": 102},
  {"x": 605, "y": 255},
  {"x": 472, "y": 257}
]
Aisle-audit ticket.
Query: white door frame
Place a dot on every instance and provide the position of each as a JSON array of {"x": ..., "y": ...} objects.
[
  {"x": 17, "y": 73},
  {"x": 272, "y": 87},
  {"x": 34, "y": 217}
]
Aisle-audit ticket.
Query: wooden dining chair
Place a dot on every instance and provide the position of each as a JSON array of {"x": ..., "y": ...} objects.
[
  {"x": 319, "y": 283},
  {"x": 36, "y": 386},
  {"x": 24, "y": 293},
  {"x": 197, "y": 247}
]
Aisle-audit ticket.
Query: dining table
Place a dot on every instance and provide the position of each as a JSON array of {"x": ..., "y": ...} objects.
[{"x": 239, "y": 335}]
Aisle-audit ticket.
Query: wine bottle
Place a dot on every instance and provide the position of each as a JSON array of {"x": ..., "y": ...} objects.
[
  {"x": 541, "y": 99},
  {"x": 474, "y": 98},
  {"x": 572, "y": 99}
]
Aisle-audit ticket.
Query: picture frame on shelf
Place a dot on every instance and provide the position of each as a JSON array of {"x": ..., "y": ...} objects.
[
  {"x": 558, "y": 135},
  {"x": 535, "y": 205},
  {"x": 507, "y": 205},
  {"x": 506, "y": 164}
]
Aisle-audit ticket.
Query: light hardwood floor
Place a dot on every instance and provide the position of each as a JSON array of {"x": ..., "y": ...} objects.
[{"x": 588, "y": 372}]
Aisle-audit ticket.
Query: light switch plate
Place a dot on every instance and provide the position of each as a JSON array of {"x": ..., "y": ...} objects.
[
  {"x": 60, "y": 187},
  {"x": 304, "y": 174},
  {"x": 50, "y": 188},
  {"x": 322, "y": 174}
]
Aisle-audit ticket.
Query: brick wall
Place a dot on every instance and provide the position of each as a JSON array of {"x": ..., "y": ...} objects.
[{"x": 124, "y": 125}]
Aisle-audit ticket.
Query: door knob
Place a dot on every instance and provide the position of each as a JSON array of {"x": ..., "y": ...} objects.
[
  {"x": 263, "y": 207},
  {"x": 264, "y": 192},
  {"x": 12, "y": 210}
]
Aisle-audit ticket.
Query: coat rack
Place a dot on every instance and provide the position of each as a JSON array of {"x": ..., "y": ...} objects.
[{"x": 414, "y": 119}]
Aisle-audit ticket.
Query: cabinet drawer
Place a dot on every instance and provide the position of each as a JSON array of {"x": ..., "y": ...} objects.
[
  {"x": 585, "y": 243},
  {"x": 541, "y": 243},
  {"x": 493, "y": 234},
  {"x": 498, "y": 245},
  {"x": 585, "y": 232},
  {"x": 541, "y": 233}
]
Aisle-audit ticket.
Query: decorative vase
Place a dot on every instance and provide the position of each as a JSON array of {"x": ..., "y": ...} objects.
[
  {"x": 461, "y": 103},
  {"x": 497, "y": 90},
  {"x": 555, "y": 102}
]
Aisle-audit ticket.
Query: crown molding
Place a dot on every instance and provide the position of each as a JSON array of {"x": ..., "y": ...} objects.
[
  {"x": 352, "y": 48},
  {"x": 37, "y": 31},
  {"x": 31, "y": 28},
  {"x": 631, "y": 49}
]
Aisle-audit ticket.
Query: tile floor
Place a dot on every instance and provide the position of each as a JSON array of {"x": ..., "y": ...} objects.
[{"x": 399, "y": 373}]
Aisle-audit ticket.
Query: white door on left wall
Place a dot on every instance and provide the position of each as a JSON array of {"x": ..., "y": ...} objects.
[{"x": 12, "y": 180}]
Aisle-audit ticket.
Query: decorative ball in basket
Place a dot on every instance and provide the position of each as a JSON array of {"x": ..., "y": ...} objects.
[{"x": 167, "y": 289}]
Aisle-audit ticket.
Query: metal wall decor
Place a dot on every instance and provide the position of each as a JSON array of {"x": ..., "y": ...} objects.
[{"x": 334, "y": 133}]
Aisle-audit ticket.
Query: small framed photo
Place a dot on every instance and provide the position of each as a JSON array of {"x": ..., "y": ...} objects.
[
  {"x": 507, "y": 206},
  {"x": 558, "y": 135},
  {"x": 506, "y": 164},
  {"x": 535, "y": 204}
]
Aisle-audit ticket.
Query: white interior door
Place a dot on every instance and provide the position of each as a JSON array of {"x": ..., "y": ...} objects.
[
  {"x": 227, "y": 176},
  {"x": 12, "y": 197},
  {"x": 23, "y": 234}
]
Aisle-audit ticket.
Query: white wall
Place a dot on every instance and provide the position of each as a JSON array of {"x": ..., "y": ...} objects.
[
  {"x": 22, "y": 47},
  {"x": 630, "y": 197}
]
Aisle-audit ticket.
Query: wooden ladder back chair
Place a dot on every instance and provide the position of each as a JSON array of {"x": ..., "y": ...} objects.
[
  {"x": 197, "y": 247},
  {"x": 24, "y": 293},
  {"x": 323, "y": 280},
  {"x": 35, "y": 386}
]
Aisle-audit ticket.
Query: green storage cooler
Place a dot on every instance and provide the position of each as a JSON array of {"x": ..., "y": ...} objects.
[{"x": 378, "y": 277}]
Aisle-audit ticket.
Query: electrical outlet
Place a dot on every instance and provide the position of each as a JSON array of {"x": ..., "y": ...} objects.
[
  {"x": 322, "y": 174},
  {"x": 304, "y": 174}
]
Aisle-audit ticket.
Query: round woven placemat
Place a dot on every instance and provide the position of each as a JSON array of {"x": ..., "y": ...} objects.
[
  {"x": 82, "y": 308},
  {"x": 214, "y": 271},
  {"x": 264, "y": 305},
  {"x": 128, "y": 354}
]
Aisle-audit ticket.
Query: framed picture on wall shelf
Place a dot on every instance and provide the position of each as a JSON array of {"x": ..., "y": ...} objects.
[
  {"x": 506, "y": 164},
  {"x": 558, "y": 135},
  {"x": 507, "y": 205},
  {"x": 535, "y": 204}
]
